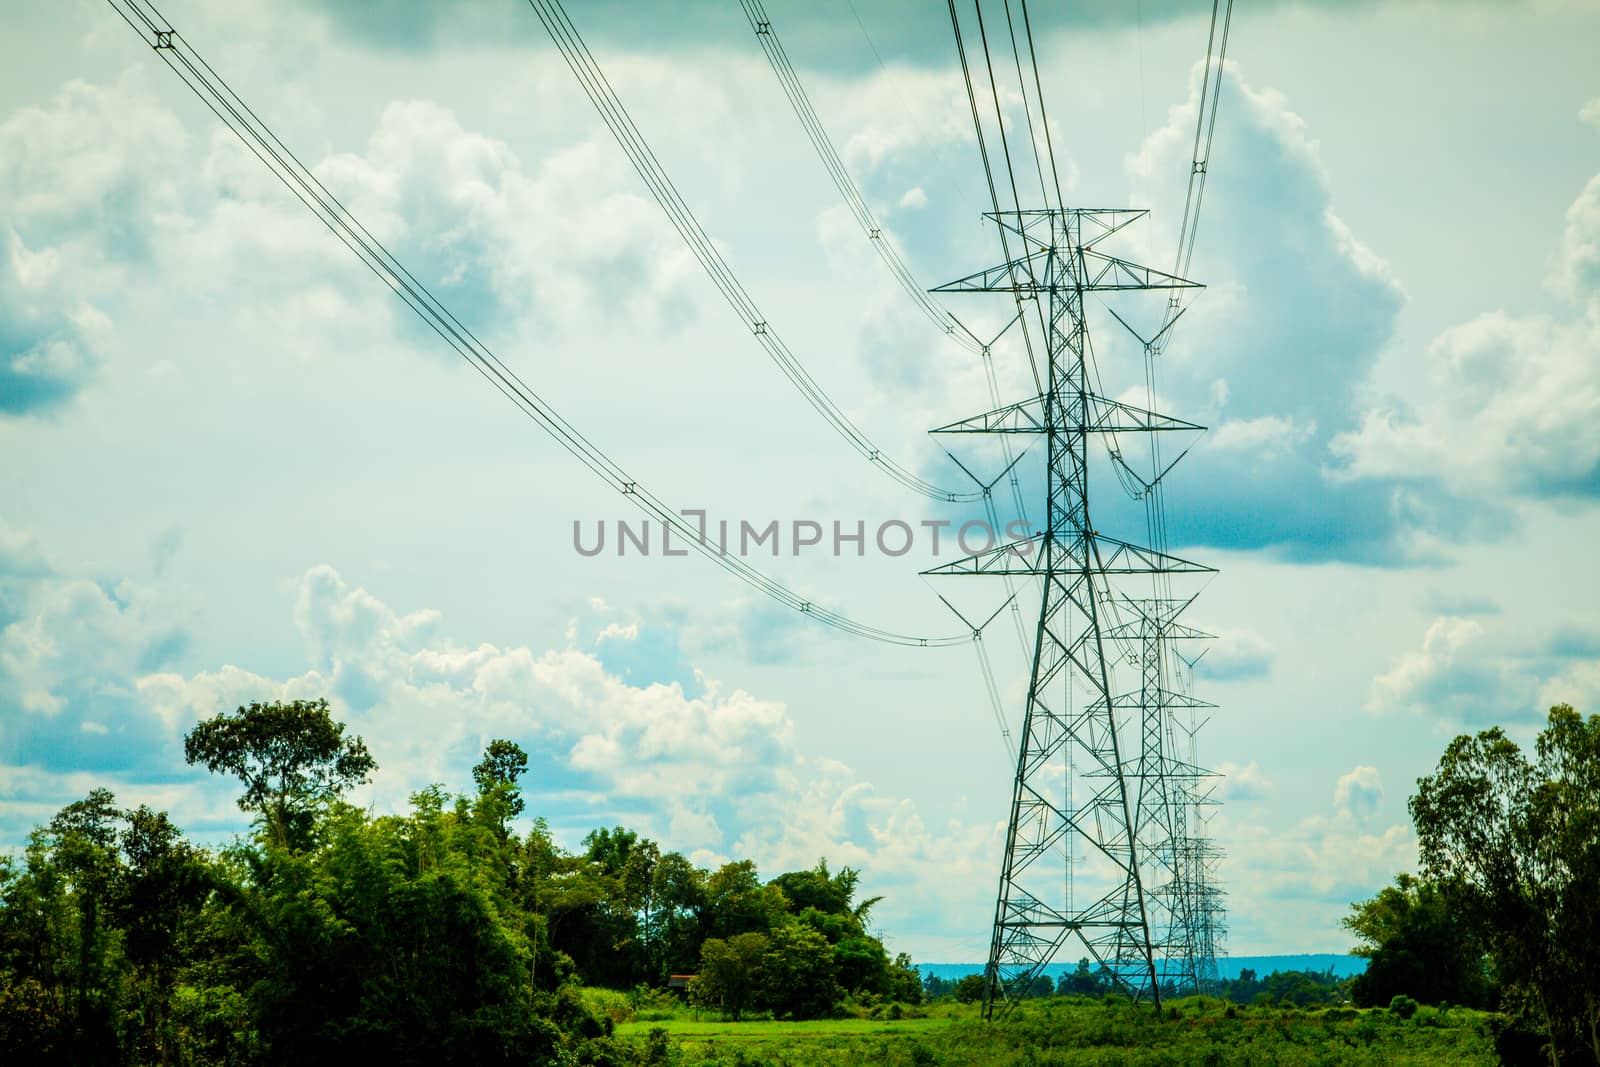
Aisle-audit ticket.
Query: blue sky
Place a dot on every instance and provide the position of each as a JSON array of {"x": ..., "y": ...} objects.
[{"x": 236, "y": 470}]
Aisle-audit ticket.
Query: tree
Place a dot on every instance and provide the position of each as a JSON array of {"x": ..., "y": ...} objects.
[
  {"x": 1417, "y": 942},
  {"x": 1517, "y": 842},
  {"x": 165, "y": 886},
  {"x": 497, "y": 773},
  {"x": 905, "y": 981},
  {"x": 1083, "y": 980},
  {"x": 679, "y": 915},
  {"x": 862, "y": 964},
  {"x": 290, "y": 757},
  {"x": 78, "y": 865},
  {"x": 737, "y": 902},
  {"x": 730, "y": 973},
  {"x": 971, "y": 988},
  {"x": 799, "y": 976}
]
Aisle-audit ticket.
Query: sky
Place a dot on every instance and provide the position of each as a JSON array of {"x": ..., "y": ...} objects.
[{"x": 235, "y": 468}]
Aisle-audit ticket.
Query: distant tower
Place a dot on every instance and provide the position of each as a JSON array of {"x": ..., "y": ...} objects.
[{"x": 1096, "y": 766}]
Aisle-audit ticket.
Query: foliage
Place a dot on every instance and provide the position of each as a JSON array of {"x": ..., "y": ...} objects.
[
  {"x": 443, "y": 934},
  {"x": 970, "y": 990},
  {"x": 1516, "y": 842},
  {"x": 1418, "y": 943},
  {"x": 730, "y": 973},
  {"x": 1299, "y": 989},
  {"x": 799, "y": 976},
  {"x": 1063, "y": 1031},
  {"x": 289, "y": 757}
]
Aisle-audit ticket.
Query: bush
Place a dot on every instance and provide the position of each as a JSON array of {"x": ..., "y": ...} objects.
[
  {"x": 1403, "y": 1006},
  {"x": 609, "y": 1004}
]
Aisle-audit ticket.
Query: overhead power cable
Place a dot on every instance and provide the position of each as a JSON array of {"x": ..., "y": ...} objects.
[
  {"x": 778, "y": 58},
  {"x": 994, "y": 199},
  {"x": 170, "y": 46},
  {"x": 600, "y": 92}
]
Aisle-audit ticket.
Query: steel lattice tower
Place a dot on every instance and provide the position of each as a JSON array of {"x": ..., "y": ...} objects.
[{"x": 1094, "y": 765}]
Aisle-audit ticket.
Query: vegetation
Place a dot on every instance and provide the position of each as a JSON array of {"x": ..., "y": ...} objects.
[
  {"x": 1073, "y": 1030},
  {"x": 1507, "y": 910},
  {"x": 440, "y": 934},
  {"x": 445, "y": 934}
]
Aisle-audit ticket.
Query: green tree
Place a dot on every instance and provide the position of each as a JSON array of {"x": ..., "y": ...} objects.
[
  {"x": 165, "y": 886},
  {"x": 1417, "y": 942},
  {"x": 1517, "y": 843},
  {"x": 971, "y": 988},
  {"x": 799, "y": 975},
  {"x": 737, "y": 902},
  {"x": 290, "y": 757},
  {"x": 497, "y": 773},
  {"x": 730, "y": 975},
  {"x": 1083, "y": 980},
  {"x": 862, "y": 964},
  {"x": 905, "y": 981},
  {"x": 679, "y": 918}
]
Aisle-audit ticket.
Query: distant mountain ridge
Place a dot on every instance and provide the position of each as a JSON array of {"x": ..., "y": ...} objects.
[{"x": 1228, "y": 967}]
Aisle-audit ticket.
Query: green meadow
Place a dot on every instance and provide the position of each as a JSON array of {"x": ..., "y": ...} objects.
[{"x": 1075, "y": 1031}]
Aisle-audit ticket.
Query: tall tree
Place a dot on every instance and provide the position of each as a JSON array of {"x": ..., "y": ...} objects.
[
  {"x": 290, "y": 757},
  {"x": 1518, "y": 842},
  {"x": 497, "y": 773},
  {"x": 1418, "y": 943}
]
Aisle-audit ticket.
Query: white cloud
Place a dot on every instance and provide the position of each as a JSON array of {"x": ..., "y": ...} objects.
[
  {"x": 914, "y": 198},
  {"x": 1236, "y": 654},
  {"x": 1243, "y": 782},
  {"x": 1578, "y": 264},
  {"x": 1268, "y": 434},
  {"x": 1292, "y": 885},
  {"x": 1359, "y": 791},
  {"x": 715, "y": 774},
  {"x": 1590, "y": 113},
  {"x": 1513, "y": 403},
  {"x": 1483, "y": 670}
]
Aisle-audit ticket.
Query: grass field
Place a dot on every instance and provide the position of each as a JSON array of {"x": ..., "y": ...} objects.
[{"x": 1077, "y": 1032}]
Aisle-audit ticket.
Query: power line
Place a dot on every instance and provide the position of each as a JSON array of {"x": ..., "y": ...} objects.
[
  {"x": 173, "y": 50},
  {"x": 604, "y": 97},
  {"x": 789, "y": 78}
]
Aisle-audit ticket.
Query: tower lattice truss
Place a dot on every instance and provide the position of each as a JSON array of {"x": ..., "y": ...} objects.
[{"x": 1107, "y": 855}]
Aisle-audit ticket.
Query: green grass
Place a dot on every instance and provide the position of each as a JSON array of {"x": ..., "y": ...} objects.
[
  {"x": 1075, "y": 1032},
  {"x": 762, "y": 1031}
]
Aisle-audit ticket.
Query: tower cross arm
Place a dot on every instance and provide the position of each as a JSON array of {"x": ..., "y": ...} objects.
[{"x": 1100, "y": 415}]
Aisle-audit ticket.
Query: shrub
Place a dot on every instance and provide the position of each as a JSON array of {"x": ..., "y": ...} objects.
[{"x": 1403, "y": 1006}]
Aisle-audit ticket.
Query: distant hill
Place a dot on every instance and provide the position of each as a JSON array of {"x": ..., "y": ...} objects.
[{"x": 1227, "y": 967}]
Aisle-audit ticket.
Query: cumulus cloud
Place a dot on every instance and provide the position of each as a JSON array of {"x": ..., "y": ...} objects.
[
  {"x": 84, "y": 193},
  {"x": 1513, "y": 404},
  {"x": 1359, "y": 791},
  {"x": 714, "y": 772},
  {"x": 563, "y": 238},
  {"x": 1479, "y": 670},
  {"x": 1243, "y": 782},
  {"x": 49, "y": 339},
  {"x": 1292, "y": 885},
  {"x": 1236, "y": 655},
  {"x": 71, "y": 651},
  {"x": 94, "y": 211},
  {"x": 1275, "y": 375}
]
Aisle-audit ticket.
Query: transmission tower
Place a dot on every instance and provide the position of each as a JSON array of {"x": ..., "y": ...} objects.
[{"x": 1093, "y": 767}]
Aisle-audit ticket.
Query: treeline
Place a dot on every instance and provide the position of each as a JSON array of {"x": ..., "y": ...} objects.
[
  {"x": 440, "y": 934},
  {"x": 1505, "y": 912},
  {"x": 1298, "y": 989}
]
